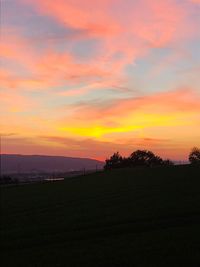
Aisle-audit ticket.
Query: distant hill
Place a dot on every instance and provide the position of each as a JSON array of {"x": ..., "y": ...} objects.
[{"x": 12, "y": 163}]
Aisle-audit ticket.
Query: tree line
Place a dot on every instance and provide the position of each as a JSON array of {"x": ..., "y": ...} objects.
[{"x": 145, "y": 158}]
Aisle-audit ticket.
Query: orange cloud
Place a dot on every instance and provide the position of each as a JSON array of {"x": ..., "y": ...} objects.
[
  {"x": 56, "y": 145},
  {"x": 14, "y": 102},
  {"x": 163, "y": 115}
]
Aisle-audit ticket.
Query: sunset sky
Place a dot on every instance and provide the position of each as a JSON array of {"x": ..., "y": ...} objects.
[{"x": 86, "y": 78}]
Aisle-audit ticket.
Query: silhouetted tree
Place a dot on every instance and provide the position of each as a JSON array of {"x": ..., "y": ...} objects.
[
  {"x": 137, "y": 158},
  {"x": 194, "y": 156},
  {"x": 114, "y": 162},
  {"x": 144, "y": 158},
  {"x": 126, "y": 162}
]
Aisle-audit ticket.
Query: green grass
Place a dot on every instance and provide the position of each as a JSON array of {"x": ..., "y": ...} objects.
[{"x": 129, "y": 217}]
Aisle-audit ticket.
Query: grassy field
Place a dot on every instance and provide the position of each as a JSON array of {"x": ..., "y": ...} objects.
[{"x": 130, "y": 217}]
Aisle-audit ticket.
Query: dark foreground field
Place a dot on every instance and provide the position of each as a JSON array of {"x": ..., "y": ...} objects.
[{"x": 142, "y": 217}]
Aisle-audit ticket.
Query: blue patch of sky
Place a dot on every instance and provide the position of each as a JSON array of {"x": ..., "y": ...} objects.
[
  {"x": 167, "y": 78},
  {"x": 86, "y": 49},
  {"x": 52, "y": 100},
  {"x": 33, "y": 26},
  {"x": 194, "y": 50}
]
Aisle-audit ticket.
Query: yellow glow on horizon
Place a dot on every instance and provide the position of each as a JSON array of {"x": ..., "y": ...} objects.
[
  {"x": 129, "y": 124},
  {"x": 98, "y": 131}
]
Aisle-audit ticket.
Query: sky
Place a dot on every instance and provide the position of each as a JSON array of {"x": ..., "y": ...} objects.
[{"x": 87, "y": 78}]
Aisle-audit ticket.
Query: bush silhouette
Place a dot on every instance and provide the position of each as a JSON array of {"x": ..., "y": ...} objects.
[
  {"x": 137, "y": 158},
  {"x": 114, "y": 162},
  {"x": 194, "y": 156},
  {"x": 144, "y": 158}
]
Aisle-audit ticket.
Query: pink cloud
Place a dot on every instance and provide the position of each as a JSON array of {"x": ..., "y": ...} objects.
[
  {"x": 126, "y": 32},
  {"x": 17, "y": 48},
  {"x": 159, "y": 23},
  {"x": 89, "y": 15},
  {"x": 196, "y": 1},
  {"x": 123, "y": 39},
  {"x": 181, "y": 100}
]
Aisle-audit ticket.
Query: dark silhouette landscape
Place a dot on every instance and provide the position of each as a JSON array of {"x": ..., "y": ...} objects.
[
  {"x": 142, "y": 214},
  {"x": 123, "y": 217}
]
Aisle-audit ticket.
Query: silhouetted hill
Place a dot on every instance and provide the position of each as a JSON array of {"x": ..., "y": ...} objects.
[{"x": 11, "y": 163}]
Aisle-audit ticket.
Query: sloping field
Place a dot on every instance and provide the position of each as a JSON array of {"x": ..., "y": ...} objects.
[{"x": 130, "y": 217}]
